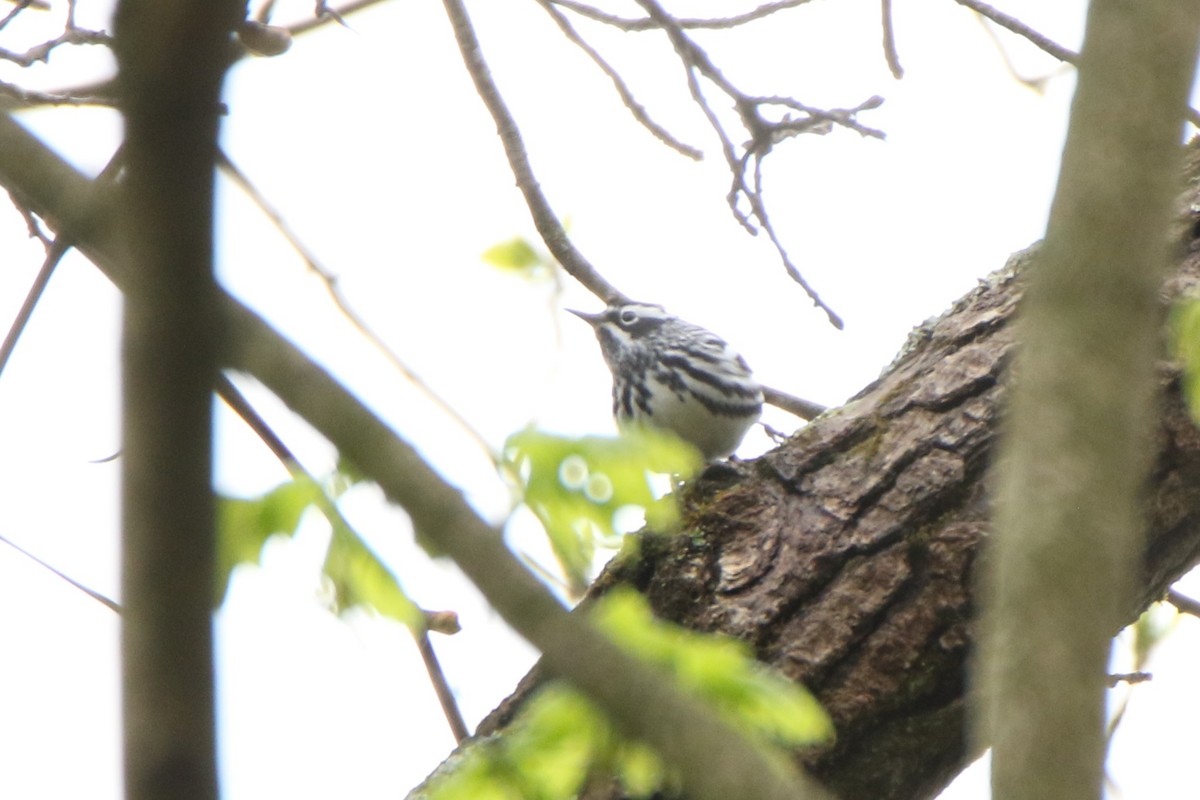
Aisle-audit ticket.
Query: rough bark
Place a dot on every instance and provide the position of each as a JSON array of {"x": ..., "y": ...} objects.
[{"x": 847, "y": 556}]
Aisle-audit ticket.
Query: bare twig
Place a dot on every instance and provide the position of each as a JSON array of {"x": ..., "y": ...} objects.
[
  {"x": 441, "y": 687},
  {"x": 649, "y": 23},
  {"x": 1015, "y": 25},
  {"x": 1129, "y": 677},
  {"x": 325, "y": 15},
  {"x": 237, "y": 401},
  {"x": 54, "y": 253},
  {"x": 330, "y": 282},
  {"x": 21, "y": 5},
  {"x": 765, "y": 134},
  {"x": 1043, "y": 43},
  {"x": 100, "y": 93},
  {"x": 889, "y": 41},
  {"x": 804, "y": 409},
  {"x": 1183, "y": 603},
  {"x": 108, "y": 603},
  {"x": 635, "y": 108},
  {"x": 993, "y": 32},
  {"x": 41, "y": 52},
  {"x": 57, "y": 250},
  {"x": 544, "y": 219},
  {"x": 91, "y": 95}
]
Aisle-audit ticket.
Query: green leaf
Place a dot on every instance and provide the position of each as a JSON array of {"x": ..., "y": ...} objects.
[
  {"x": 359, "y": 578},
  {"x": 639, "y": 769},
  {"x": 719, "y": 670},
  {"x": 244, "y": 525},
  {"x": 474, "y": 776},
  {"x": 556, "y": 741},
  {"x": 575, "y": 487},
  {"x": 518, "y": 255}
]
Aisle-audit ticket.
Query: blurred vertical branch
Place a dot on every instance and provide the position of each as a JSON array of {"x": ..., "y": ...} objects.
[
  {"x": 172, "y": 57},
  {"x": 1072, "y": 469}
]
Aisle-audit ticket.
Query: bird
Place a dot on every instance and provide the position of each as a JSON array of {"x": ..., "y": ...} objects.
[{"x": 671, "y": 375}]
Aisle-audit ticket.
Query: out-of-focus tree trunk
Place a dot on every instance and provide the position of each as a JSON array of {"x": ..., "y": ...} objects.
[
  {"x": 172, "y": 58},
  {"x": 1074, "y": 459}
]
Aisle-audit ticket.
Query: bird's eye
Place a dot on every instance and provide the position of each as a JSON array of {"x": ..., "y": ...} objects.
[{"x": 629, "y": 316}]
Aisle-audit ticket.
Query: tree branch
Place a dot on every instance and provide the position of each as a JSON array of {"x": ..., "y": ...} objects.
[
  {"x": 172, "y": 60},
  {"x": 544, "y": 219}
]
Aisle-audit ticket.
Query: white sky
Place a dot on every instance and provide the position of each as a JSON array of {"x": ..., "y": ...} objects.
[{"x": 374, "y": 146}]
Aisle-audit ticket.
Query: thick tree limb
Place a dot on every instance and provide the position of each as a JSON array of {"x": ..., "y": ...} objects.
[{"x": 172, "y": 63}]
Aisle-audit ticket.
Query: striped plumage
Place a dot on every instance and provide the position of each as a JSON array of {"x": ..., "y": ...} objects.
[{"x": 676, "y": 376}]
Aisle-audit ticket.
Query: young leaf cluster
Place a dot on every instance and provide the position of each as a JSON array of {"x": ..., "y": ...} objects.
[
  {"x": 576, "y": 487},
  {"x": 357, "y": 575},
  {"x": 561, "y": 743}
]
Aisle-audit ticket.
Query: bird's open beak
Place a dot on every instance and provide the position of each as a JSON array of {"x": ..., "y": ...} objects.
[{"x": 590, "y": 319}]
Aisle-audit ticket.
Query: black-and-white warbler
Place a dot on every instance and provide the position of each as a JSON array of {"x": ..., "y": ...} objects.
[{"x": 673, "y": 375}]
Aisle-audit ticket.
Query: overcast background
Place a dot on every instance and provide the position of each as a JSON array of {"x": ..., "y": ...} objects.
[{"x": 372, "y": 144}]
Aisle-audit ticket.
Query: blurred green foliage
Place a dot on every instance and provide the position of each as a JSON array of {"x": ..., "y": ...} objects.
[
  {"x": 1185, "y": 345},
  {"x": 518, "y": 256},
  {"x": 358, "y": 577},
  {"x": 559, "y": 740},
  {"x": 576, "y": 487}
]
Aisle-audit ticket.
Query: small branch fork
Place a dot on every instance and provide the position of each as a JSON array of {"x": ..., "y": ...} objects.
[
  {"x": 765, "y": 135},
  {"x": 768, "y": 120}
]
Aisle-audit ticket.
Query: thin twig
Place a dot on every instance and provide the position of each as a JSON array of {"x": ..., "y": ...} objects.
[
  {"x": 889, "y": 40},
  {"x": 330, "y": 282},
  {"x": 101, "y": 93},
  {"x": 648, "y": 23},
  {"x": 804, "y": 409},
  {"x": 1015, "y": 25},
  {"x": 41, "y": 52},
  {"x": 544, "y": 219},
  {"x": 1183, "y": 603},
  {"x": 54, "y": 254},
  {"x": 994, "y": 34},
  {"x": 1129, "y": 677},
  {"x": 760, "y": 213},
  {"x": 112, "y": 605},
  {"x": 637, "y": 109},
  {"x": 441, "y": 686},
  {"x": 17, "y": 8},
  {"x": 57, "y": 250},
  {"x": 237, "y": 401},
  {"x": 764, "y": 133},
  {"x": 1043, "y": 43}
]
